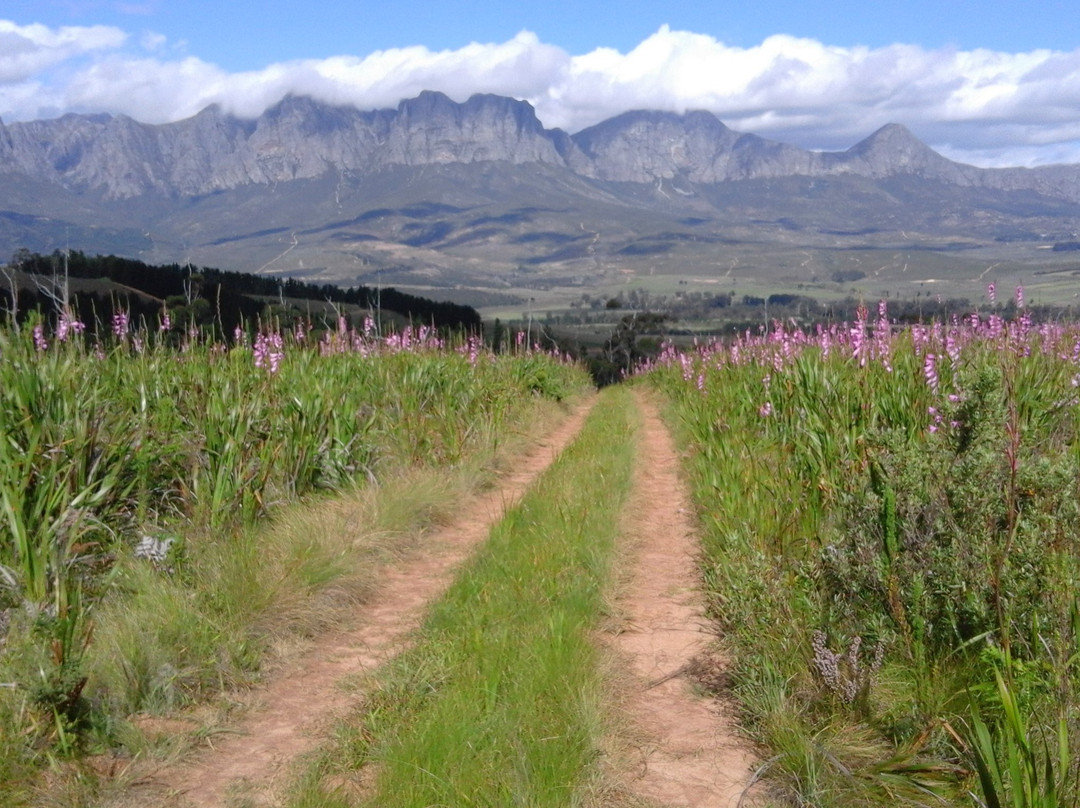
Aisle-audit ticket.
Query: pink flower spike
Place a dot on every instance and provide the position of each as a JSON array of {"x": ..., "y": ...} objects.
[
  {"x": 120, "y": 324},
  {"x": 269, "y": 351},
  {"x": 930, "y": 371}
]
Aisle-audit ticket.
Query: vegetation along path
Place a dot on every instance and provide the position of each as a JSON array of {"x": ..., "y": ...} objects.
[
  {"x": 251, "y": 759},
  {"x": 673, "y": 744}
]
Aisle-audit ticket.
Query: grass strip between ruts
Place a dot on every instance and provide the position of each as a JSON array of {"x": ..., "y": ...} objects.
[{"x": 500, "y": 701}]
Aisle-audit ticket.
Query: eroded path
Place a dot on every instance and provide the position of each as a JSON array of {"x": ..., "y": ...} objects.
[
  {"x": 689, "y": 753},
  {"x": 250, "y": 763}
]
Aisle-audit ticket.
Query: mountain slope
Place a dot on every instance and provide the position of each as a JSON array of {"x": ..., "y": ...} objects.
[
  {"x": 300, "y": 138},
  {"x": 481, "y": 194}
]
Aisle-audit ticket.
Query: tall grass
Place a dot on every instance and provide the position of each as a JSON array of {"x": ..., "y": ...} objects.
[
  {"x": 499, "y": 702},
  {"x": 892, "y": 524},
  {"x": 127, "y": 467}
]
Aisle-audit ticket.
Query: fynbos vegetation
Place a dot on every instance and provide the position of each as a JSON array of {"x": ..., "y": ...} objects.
[
  {"x": 891, "y": 549},
  {"x": 138, "y": 456}
]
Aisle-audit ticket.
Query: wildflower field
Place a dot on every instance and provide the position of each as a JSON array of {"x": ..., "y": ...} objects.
[
  {"x": 890, "y": 528},
  {"x": 132, "y": 470},
  {"x": 891, "y": 525}
]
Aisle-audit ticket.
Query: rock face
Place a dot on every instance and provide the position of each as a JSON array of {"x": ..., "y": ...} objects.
[
  {"x": 299, "y": 138},
  {"x": 892, "y": 150},
  {"x": 646, "y": 146},
  {"x": 296, "y": 139}
]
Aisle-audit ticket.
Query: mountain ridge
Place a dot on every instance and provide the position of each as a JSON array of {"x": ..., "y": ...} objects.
[
  {"x": 480, "y": 195},
  {"x": 301, "y": 138}
]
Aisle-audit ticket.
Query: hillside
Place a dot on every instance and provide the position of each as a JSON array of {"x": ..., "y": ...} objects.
[
  {"x": 478, "y": 200},
  {"x": 98, "y": 286}
]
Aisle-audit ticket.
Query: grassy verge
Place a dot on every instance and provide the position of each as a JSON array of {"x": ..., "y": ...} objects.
[
  {"x": 239, "y": 607},
  {"x": 138, "y": 571},
  {"x": 500, "y": 702}
]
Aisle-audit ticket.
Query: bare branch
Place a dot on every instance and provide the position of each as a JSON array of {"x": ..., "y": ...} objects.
[
  {"x": 9, "y": 273},
  {"x": 56, "y": 288}
]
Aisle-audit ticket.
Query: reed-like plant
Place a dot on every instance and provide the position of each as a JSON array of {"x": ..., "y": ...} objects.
[
  {"x": 148, "y": 437},
  {"x": 913, "y": 487},
  {"x": 1018, "y": 766}
]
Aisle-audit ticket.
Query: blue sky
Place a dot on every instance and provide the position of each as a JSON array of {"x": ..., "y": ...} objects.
[
  {"x": 992, "y": 83},
  {"x": 241, "y": 35}
]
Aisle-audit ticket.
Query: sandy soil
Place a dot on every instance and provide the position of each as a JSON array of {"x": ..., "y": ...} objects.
[
  {"x": 250, "y": 761},
  {"x": 689, "y": 751}
]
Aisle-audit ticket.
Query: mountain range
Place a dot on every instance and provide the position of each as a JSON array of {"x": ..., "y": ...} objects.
[{"x": 480, "y": 194}]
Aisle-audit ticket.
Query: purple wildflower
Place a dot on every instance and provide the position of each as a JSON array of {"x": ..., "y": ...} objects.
[
  {"x": 930, "y": 371},
  {"x": 936, "y": 421},
  {"x": 952, "y": 347},
  {"x": 858, "y": 336},
  {"x": 269, "y": 351},
  {"x": 120, "y": 324},
  {"x": 66, "y": 325},
  {"x": 40, "y": 342}
]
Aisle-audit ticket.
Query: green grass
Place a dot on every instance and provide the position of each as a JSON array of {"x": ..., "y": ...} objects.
[
  {"x": 940, "y": 524},
  {"x": 501, "y": 701},
  {"x": 105, "y": 448},
  {"x": 163, "y": 641}
]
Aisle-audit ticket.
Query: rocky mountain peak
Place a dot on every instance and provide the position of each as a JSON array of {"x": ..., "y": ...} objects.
[
  {"x": 429, "y": 104},
  {"x": 649, "y": 145},
  {"x": 894, "y": 149},
  {"x": 302, "y": 138},
  {"x": 638, "y": 127},
  {"x": 433, "y": 128}
]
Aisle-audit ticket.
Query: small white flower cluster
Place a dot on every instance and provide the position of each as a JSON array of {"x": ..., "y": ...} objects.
[
  {"x": 845, "y": 674},
  {"x": 155, "y": 550}
]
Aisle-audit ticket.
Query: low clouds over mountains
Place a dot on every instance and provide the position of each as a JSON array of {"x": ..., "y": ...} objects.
[{"x": 984, "y": 107}]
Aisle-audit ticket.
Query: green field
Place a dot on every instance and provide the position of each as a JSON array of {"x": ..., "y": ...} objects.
[{"x": 887, "y": 516}]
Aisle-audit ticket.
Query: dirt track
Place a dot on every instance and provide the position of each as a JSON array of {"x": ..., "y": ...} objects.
[
  {"x": 687, "y": 752},
  {"x": 301, "y": 703},
  {"x": 690, "y": 753}
]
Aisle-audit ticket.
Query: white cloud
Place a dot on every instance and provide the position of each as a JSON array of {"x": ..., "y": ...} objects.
[
  {"x": 27, "y": 50},
  {"x": 987, "y": 107},
  {"x": 152, "y": 41}
]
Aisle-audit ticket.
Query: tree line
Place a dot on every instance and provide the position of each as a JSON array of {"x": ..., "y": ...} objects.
[{"x": 199, "y": 295}]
